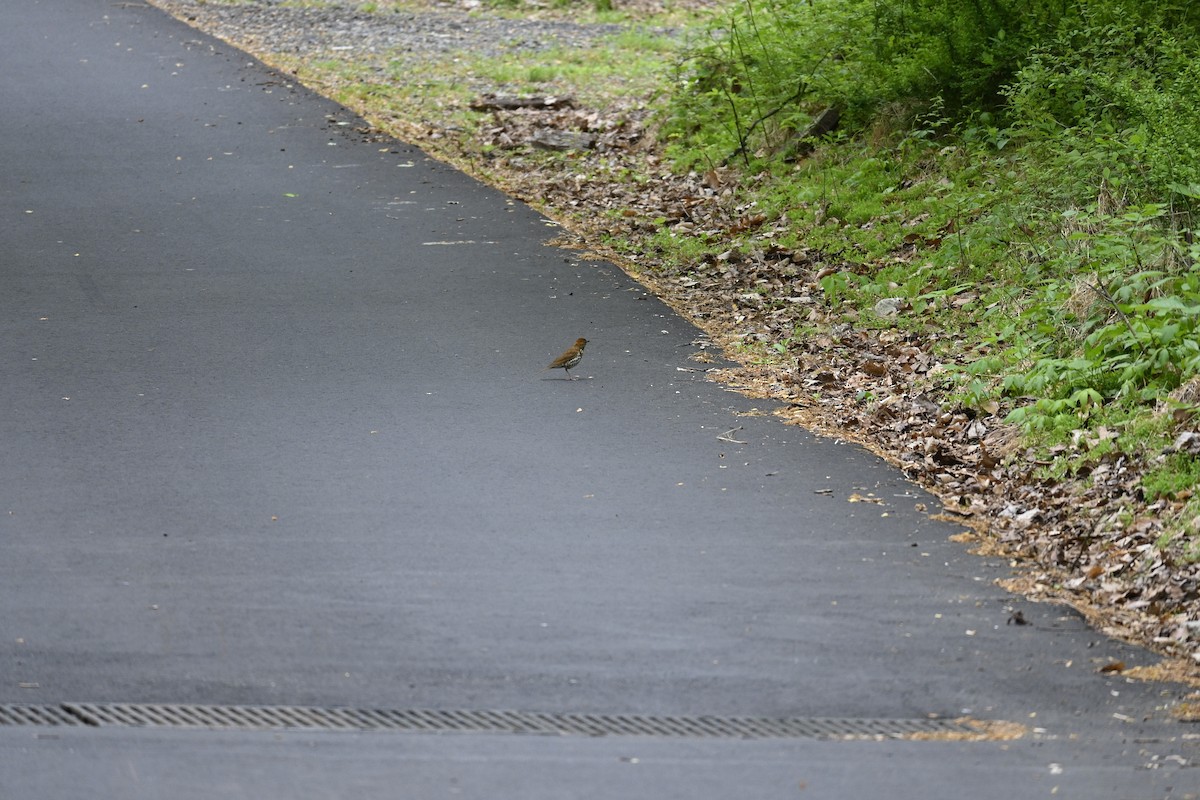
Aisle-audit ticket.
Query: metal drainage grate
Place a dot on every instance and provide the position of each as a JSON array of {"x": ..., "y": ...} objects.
[{"x": 142, "y": 715}]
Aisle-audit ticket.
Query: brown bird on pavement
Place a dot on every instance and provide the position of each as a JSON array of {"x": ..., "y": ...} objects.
[{"x": 570, "y": 359}]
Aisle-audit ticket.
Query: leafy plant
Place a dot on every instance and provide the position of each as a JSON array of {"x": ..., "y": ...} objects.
[
  {"x": 1131, "y": 331},
  {"x": 1178, "y": 472},
  {"x": 772, "y": 63}
]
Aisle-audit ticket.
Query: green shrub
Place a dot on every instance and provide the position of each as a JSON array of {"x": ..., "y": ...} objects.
[
  {"x": 1124, "y": 76},
  {"x": 1121, "y": 322},
  {"x": 771, "y": 63}
]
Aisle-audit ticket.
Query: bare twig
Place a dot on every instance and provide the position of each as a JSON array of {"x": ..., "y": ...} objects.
[
  {"x": 727, "y": 436},
  {"x": 744, "y": 138}
]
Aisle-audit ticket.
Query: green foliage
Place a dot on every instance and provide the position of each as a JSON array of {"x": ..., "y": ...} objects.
[
  {"x": 964, "y": 51},
  {"x": 1123, "y": 78},
  {"x": 771, "y": 63},
  {"x": 754, "y": 74},
  {"x": 1179, "y": 472},
  {"x": 1120, "y": 324}
]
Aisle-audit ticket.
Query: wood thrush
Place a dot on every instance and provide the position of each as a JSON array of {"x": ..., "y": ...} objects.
[{"x": 570, "y": 358}]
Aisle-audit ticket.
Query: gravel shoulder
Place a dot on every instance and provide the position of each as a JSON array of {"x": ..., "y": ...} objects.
[{"x": 414, "y": 35}]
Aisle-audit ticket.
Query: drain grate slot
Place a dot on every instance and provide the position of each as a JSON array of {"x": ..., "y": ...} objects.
[
  {"x": 161, "y": 715},
  {"x": 29, "y": 714}
]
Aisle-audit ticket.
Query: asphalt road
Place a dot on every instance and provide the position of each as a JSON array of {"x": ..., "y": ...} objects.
[{"x": 275, "y": 432}]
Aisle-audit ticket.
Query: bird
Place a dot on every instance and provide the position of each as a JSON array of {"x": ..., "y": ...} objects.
[{"x": 570, "y": 358}]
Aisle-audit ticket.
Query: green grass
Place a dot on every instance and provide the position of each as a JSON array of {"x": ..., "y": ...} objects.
[
  {"x": 626, "y": 65},
  {"x": 1177, "y": 473}
]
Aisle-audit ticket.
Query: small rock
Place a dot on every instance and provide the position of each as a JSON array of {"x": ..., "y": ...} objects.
[
  {"x": 889, "y": 306},
  {"x": 549, "y": 139},
  {"x": 1187, "y": 442}
]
